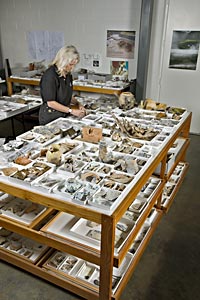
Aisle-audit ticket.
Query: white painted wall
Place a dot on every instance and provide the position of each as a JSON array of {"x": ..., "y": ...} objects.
[
  {"x": 174, "y": 86},
  {"x": 84, "y": 23}
]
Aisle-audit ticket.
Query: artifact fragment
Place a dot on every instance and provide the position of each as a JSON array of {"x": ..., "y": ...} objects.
[
  {"x": 22, "y": 160},
  {"x": 126, "y": 100},
  {"x": 8, "y": 171},
  {"x": 54, "y": 154}
]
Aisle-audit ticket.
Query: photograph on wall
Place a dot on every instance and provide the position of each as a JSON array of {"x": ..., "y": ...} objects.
[
  {"x": 184, "y": 50},
  {"x": 120, "y": 44},
  {"x": 119, "y": 69}
]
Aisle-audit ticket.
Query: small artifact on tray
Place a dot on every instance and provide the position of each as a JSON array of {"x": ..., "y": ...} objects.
[
  {"x": 120, "y": 177},
  {"x": 72, "y": 185},
  {"x": 161, "y": 115},
  {"x": 56, "y": 260},
  {"x": 28, "y": 136},
  {"x": 105, "y": 197},
  {"x": 9, "y": 171},
  {"x": 47, "y": 182},
  {"x": 102, "y": 150},
  {"x": 26, "y": 252},
  {"x": 31, "y": 173},
  {"x": 12, "y": 145},
  {"x": 69, "y": 263},
  {"x": 93, "y": 166},
  {"x": 43, "y": 152},
  {"x": 168, "y": 189},
  {"x": 54, "y": 154},
  {"x": 127, "y": 165},
  {"x": 137, "y": 205},
  {"x": 34, "y": 207},
  {"x": 48, "y": 131},
  {"x": 91, "y": 134},
  {"x": 94, "y": 234},
  {"x": 21, "y": 101},
  {"x": 133, "y": 130},
  {"x": 84, "y": 194},
  {"x": 91, "y": 177},
  {"x": 15, "y": 245},
  {"x": 176, "y": 110},
  {"x": 126, "y": 100},
  {"x": 116, "y": 136},
  {"x": 66, "y": 147},
  {"x": 22, "y": 160},
  {"x": 137, "y": 144},
  {"x": 71, "y": 132},
  {"x": 130, "y": 215},
  {"x": 120, "y": 187},
  {"x": 15, "y": 207},
  {"x": 71, "y": 164},
  {"x": 109, "y": 184},
  {"x": 122, "y": 227},
  {"x": 91, "y": 224},
  {"x": 124, "y": 148},
  {"x": 153, "y": 105}
]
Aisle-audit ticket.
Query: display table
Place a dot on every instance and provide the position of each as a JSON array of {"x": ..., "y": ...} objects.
[
  {"x": 104, "y": 254},
  {"x": 76, "y": 87},
  {"x": 101, "y": 88},
  {"x": 13, "y": 109}
]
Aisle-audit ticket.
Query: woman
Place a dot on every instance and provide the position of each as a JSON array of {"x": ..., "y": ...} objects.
[{"x": 56, "y": 88}]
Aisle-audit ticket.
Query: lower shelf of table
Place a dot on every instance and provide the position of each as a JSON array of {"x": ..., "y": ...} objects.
[{"x": 84, "y": 290}]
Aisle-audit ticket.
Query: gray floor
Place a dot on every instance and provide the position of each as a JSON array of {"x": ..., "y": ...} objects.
[{"x": 169, "y": 268}]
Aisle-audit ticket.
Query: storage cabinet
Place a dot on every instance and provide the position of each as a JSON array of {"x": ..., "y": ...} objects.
[{"x": 105, "y": 255}]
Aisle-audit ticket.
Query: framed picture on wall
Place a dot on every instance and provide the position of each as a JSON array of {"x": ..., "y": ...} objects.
[
  {"x": 120, "y": 44},
  {"x": 184, "y": 49},
  {"x": 119, "y": 69}
]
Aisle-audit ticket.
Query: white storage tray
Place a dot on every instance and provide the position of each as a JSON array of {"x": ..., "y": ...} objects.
[{"x": 23, "y": 211}]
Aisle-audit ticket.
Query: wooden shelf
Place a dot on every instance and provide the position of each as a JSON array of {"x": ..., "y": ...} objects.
[
  {"x": 80, "y": 88},
  {"x": 25, "y": 81},
  {"x": 99, "y": 90}
]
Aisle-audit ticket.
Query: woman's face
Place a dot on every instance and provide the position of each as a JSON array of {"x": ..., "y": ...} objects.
[{"x": 69, "y": 67}]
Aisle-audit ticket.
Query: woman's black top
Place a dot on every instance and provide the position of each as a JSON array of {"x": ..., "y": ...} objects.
[{"x": 54, "y": 88}]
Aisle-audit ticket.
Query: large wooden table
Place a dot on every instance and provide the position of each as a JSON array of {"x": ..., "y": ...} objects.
[{"x": 105, "y": 258}]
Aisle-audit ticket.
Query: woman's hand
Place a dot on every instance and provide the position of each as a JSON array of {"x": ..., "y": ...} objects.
[
  {"x": 80, "y": 112},
  {"x": 80, "y": 106}
]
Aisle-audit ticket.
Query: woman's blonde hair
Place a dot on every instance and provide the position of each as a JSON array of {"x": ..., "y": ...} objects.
[{"x": 65, "y": 56}]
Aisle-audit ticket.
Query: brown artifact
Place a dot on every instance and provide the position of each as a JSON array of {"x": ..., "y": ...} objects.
[{"x": 91, "y": 134}]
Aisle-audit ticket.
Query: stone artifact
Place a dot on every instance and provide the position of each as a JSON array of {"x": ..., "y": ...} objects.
[
  {"x": 54, "y": 154},
  {"x": 102, "y": 150},
  {"x": 126, "y": 100}
]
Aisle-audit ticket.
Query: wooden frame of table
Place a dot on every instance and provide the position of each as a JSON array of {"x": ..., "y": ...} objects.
[
  {"x": 105, "y": 258},
  {"x": 80, "y": 88}
]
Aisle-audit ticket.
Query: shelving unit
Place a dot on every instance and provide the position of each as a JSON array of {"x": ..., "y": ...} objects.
[
  {"x": 20, "y": 80},
  {"x": 99, "y": 90},
  {"x": 104, "y": 257},
  {"x": 79, "y": 88}
]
